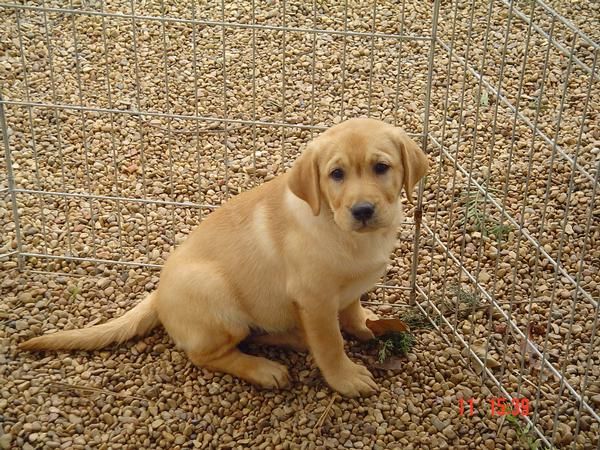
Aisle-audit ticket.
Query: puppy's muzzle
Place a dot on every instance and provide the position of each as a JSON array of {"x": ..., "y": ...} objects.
[{"x": 363, "y": 211}]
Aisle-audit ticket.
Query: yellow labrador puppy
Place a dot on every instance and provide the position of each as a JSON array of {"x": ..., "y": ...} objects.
[{"x": 290, "y": 257}]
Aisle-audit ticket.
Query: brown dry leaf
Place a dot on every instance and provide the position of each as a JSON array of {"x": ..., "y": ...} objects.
[
  {"x": 488, "y": 359},
  {"x": 393, "y": 363},
  {"x": 380, "y": 327},
  {"x": 131, "y": 168}
]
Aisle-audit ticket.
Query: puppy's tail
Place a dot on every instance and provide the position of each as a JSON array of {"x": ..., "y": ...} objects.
[{"x": 135, "y": 322}]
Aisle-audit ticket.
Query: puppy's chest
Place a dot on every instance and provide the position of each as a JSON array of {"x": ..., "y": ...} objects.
[
  {"x": 362, "y": 268},
  {"x": 370, "y": 254},
  {"x": 363, "y": 265}
]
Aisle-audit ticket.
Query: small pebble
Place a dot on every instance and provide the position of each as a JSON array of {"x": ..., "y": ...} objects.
[
  {"x": 5, "y": 441},
  {"x": 437, "y": 423},
  {"x": 74, "y": 419}
]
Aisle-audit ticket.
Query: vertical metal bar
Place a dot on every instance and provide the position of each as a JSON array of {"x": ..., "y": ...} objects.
[
  {"x": 371, "y": 59},
  {"x": 387, "y": 275},
  {"x": 41, "y": 200},
  {"x": 471, "y": 166},
  {"x": 196, "y": 110},
  {"x": 436, "y": 208},
  {"x": 58, "y": 127},
  {"x": 283, "y": 78},
  {"x": 427, "y": 106},
  {"x": 314, "y": 58},
  {"x": 469, "y": 170},
  {"x": 113, "y": 143},
  {"x": 418, "y": 214},
  {"x": 399, "y": 66},
  {"x": 254, "y": 91},
  {"x": 11, "y": 182},
  {"x": 169, "y": 136},
  {"x": 509, "y": 164},
  {"x": 461, "y": 257},
  {"x": 225, "y": 109},
  {"x": 138, "y": 97},
  {"x": 84, "y": 135},
  {"x": 344, "y": 45},
  {"x": 458, "y": 141}
]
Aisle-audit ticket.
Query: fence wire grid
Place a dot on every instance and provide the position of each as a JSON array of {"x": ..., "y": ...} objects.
[{"x": 124, "y": 123}]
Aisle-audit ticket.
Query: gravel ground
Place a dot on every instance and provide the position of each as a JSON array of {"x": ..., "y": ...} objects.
[{"x": 146, "y": 394}]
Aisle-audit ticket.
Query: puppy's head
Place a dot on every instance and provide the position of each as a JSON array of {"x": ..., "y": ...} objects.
[{"x": 358, "y": 169}]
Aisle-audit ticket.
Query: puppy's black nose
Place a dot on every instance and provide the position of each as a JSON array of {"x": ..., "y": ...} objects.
[{"x": 363, "y": 211}]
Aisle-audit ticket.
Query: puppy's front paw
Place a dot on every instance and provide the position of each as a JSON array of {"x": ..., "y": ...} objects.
[{"x": 352, "y": 380}]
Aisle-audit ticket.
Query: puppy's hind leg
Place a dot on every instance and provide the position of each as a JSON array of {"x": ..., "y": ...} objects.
[
  {"x": 254, "y": 369},
  {"x": 201, "y": 314}
]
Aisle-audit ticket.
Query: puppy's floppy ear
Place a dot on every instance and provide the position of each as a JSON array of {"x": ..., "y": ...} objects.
[
  {"x": 414, "y": 161},
  {"x": 304, "y": 179}
]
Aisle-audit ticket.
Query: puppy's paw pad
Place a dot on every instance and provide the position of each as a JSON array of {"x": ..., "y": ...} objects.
[{"x": 270, "y": 375}]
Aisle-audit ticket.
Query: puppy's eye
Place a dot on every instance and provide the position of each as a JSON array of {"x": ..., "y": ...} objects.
[
  {"x": 337, "y": 174},
  {"x": 381, "y": 168}
]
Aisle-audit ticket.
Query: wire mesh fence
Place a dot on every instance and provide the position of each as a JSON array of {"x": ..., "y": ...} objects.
[
  {"x": 512, "y": 206},
  {"x": 124, "y": 123}
]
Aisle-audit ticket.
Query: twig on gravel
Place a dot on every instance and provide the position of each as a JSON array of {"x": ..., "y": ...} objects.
[
  {"x": 531, "y": 383},
  {"x": 325, "y": 414},
  {"x": 77, "y": 387}
]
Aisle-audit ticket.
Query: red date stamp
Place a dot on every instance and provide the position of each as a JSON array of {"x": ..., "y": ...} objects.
[{"x": 499, "y": 406}]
